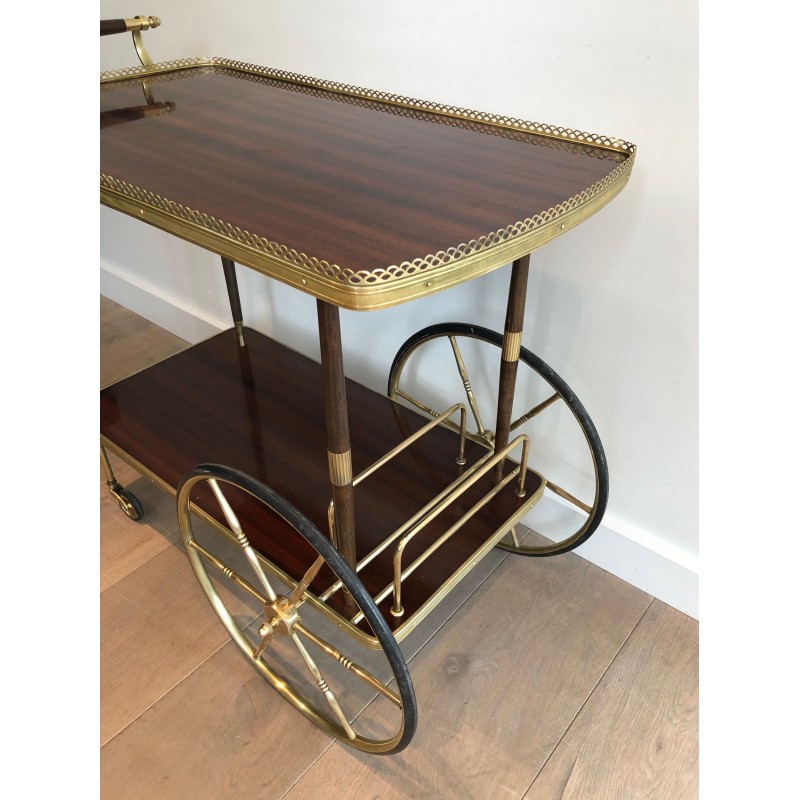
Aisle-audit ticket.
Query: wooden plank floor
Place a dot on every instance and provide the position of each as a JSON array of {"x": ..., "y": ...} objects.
[{"x": 545, "y": 678}]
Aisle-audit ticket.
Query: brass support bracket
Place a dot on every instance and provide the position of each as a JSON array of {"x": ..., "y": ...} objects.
[{"x": 136, "y": 26}]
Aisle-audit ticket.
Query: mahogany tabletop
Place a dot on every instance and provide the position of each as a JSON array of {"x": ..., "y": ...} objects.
[{"x": 359, "y": 198}]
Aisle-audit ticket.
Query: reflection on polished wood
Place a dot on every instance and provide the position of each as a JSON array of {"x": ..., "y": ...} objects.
[{"x": 386, "y": 188}]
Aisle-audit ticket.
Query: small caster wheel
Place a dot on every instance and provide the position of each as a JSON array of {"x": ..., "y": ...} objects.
[{"x": 129, "y": 504}]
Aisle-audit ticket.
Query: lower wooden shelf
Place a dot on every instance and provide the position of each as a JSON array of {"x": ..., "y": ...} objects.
[{"x": 260, "y": 409}]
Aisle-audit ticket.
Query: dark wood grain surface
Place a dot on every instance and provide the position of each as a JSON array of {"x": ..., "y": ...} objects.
[
  {"x": 359, "y": 184},
  {"x": 260, "y": 409}
]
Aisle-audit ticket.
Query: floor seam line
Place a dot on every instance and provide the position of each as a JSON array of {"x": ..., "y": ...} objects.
[
  {"x": 161, "y": 697},
  {"x": 588, "y": 697}
]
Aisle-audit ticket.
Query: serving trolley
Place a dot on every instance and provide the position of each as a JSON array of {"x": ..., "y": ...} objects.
[{"x": 323, "y": 520}]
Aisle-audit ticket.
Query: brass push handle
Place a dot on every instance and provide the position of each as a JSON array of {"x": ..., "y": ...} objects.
[
  {"x": 135, "y": 26},
  {"x": 111, "y": 26}
]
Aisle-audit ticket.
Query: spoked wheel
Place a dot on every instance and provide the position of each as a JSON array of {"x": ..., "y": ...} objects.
[
  {"x": 272, "y": 612},
  {"x": 443, "y": 363}
]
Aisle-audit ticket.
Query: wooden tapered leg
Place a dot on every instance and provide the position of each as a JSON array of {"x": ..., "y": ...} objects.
[
  {"x": 229, "y": 268},
  {"x": 338, "y": 431},
  {"x": 512, "y": 336}
]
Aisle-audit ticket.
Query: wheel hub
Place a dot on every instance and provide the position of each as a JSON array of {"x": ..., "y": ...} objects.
[{"x": 284, "y": 619}]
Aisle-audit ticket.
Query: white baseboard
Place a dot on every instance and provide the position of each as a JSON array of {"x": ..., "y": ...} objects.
[
  {"x": 636, "y": 557},
  {"x": 671, "y": 580},
  {"x": 145, "y": 301}
]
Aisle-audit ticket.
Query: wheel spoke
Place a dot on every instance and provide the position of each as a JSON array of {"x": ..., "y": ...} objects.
[
  {"x": 555, "y": 489},
  {"x": 535, "y": 410},
  {"x": 417, "y": 403},
  {"x": 462, "y": 371},
  {"x": 267, "y": 634},
  {"x": 233, "y": 522},
  {"x": 301, "y": 587},
  {"x": 227, "y": 571},
  {"x": 323, "y": 686},
  {"x": 348, "y": 664}
]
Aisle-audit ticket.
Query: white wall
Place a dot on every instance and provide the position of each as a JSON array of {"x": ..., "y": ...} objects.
[{"x": 612, "y": 306}]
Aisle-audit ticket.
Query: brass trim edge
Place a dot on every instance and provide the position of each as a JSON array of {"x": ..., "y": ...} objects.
[
  {"x": 487, "y": 118},
  {"x": 162, "y": 67},
  {"x": 512, "y": 343},
  {"x": 412, "y": 112},
  {"x": 361, "y": 290},
  {"x": 365, "y": 290},
  {"x": 340, "y": 466}
]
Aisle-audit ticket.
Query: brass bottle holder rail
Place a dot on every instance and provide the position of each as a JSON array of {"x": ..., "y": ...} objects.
[{"x": 412, "y": 527}]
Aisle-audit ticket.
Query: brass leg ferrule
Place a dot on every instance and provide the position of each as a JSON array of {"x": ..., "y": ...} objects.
[
  {"x": 240, "y": 332},
  {"x": 512, "y": 343},
  {"x": 341, "y": 468}
]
